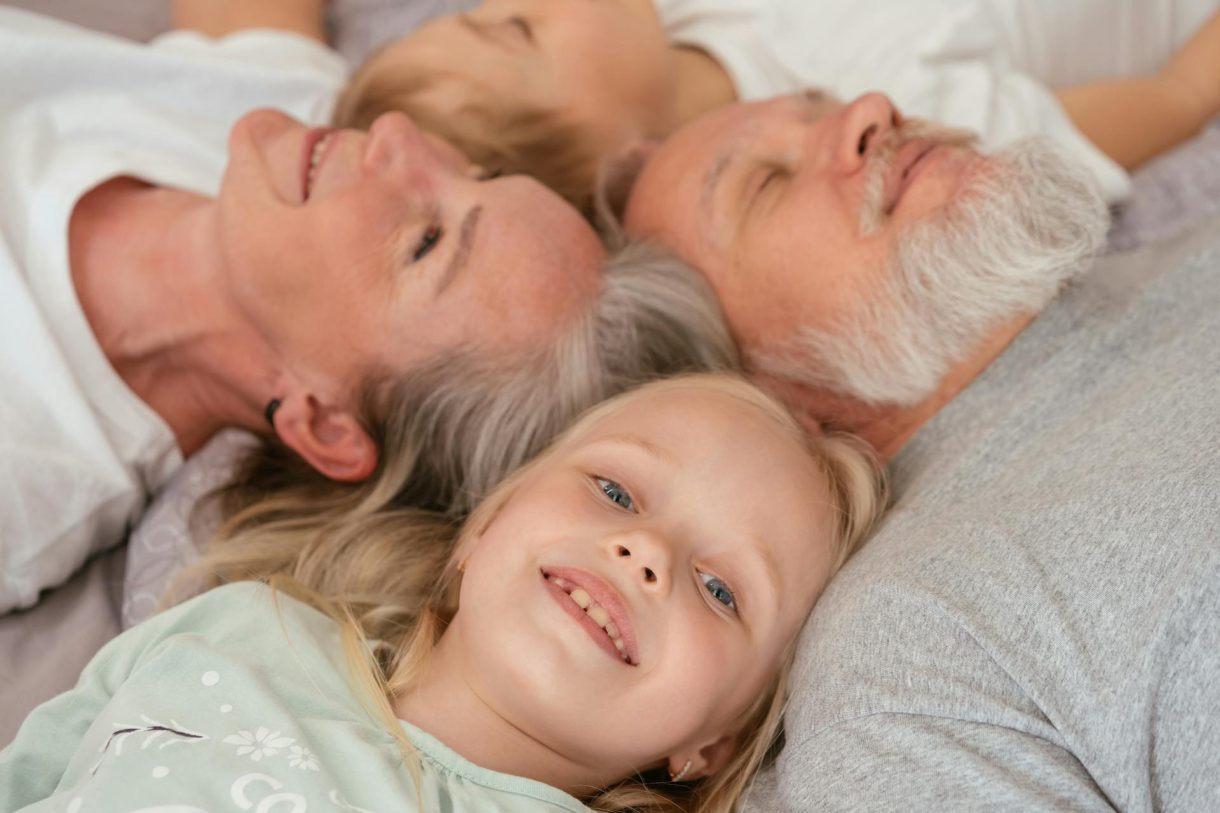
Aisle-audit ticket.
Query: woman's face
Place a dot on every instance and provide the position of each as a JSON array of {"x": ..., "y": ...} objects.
[
  {"x": 636, "y": 592},
  {"x": 605, "y": 63},
  {"x": 389, "y": 248}
]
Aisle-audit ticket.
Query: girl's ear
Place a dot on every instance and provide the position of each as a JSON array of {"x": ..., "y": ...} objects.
[
  {"x": 331, "y": 440},
  {"x": 704, "y": 762}
]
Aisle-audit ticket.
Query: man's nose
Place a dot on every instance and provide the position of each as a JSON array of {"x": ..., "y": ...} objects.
[
  {"x": 646, "y": 557},
  {"x": 867, "y": 122}
]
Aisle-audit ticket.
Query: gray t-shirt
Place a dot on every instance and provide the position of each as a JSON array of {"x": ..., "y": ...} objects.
[{"x": 1037, "y": 623}]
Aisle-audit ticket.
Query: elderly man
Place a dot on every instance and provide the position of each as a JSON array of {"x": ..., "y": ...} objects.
[{"x": 1035, "y": 625}]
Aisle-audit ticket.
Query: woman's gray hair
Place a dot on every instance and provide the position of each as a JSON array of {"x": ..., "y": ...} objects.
[{"x": 453, "y": 428}]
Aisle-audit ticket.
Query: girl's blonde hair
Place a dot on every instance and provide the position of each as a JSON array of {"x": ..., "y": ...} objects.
[
  {"x": 379, "y": 575},
  {"x": 502, "y": 134}
]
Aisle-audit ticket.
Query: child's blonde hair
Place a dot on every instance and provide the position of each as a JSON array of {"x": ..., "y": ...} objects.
[
  {"x": 387, "y": 590},
  {"x": 501, "y": 134}
]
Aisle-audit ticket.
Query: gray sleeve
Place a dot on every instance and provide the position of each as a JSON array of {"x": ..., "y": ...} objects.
[
  {"x": 906, "y": 762},
  {"x": 1184, "y": 766}
]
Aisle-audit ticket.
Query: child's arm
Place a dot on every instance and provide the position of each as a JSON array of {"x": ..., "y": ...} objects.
[
  {"x": 219, "y": 17},
  {"x": 32, "y": 765},
  {"x": 1134, "y": 120}
]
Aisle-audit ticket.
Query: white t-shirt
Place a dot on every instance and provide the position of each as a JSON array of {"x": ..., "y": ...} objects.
[
  {"x": 79, "y": 452},
  {"x": 985, "y": 65}
]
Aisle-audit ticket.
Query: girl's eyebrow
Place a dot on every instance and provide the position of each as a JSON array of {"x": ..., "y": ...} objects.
[
  {"x": 641, "y": 444},
  {"x": 461, "y": 255},
  {"x": 478, "y": 29},
  {"x": 770, "y": 568}
]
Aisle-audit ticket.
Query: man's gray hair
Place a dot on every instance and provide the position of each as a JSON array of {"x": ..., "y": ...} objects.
[{"x": 1004, "y": 248}]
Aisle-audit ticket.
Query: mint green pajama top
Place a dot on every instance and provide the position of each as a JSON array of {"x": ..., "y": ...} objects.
[{"x": 238, "y": 700}]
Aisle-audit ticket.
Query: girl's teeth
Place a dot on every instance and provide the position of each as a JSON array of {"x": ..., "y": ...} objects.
[{"x": 582, "y": 599}]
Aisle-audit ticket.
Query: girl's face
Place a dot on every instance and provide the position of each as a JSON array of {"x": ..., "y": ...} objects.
[
  {"x": 604, "y": 62},
  {"x": 637, "y": 591}
]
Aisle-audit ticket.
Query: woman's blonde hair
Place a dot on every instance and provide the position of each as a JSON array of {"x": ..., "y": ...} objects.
[
  {"x": 395, "y": 582},
  {"x": 502, "y": 133}
]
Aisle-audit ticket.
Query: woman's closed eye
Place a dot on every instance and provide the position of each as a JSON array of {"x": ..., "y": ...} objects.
[
  {"x": 430, "y": 239},
  {"x": 719, "y": 590},
  {"x": 615, "y": 493}
]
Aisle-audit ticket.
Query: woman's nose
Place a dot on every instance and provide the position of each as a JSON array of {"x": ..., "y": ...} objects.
[
  {"x": 646, "y": 557},
  {"x": 867, "y": 122},
  {"x": 395, "y": 143}
]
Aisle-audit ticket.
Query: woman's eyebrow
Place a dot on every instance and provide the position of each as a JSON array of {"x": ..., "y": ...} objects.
[{"x": 461, "y": 255}]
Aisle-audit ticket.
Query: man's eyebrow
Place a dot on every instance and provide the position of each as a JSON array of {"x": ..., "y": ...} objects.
[
  {"x": 711, "y": 182},
  {"x": 461, "y": 255}
]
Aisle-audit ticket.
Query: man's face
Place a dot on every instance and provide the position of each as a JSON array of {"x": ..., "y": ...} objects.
[
  {"x": 386, "y": 247},
  {"x": 857, "y": 252},
  {"x": 793, "y": 206}
]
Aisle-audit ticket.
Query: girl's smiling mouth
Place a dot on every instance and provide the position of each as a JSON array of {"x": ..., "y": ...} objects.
[{"x": 597, "y": 608}]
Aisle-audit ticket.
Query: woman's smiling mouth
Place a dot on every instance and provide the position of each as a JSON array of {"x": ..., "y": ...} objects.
[
  {"x": 606, "y": 621},
  {"x": 317, "y": 141}
]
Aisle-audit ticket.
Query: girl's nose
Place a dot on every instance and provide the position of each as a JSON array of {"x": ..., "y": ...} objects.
[{"x": 646, "y": 556}]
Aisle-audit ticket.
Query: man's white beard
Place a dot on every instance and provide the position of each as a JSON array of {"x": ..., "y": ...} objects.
[{"x": 1025, "y": 225}]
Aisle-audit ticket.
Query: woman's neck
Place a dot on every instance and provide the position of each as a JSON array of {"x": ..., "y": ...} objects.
[
  {"x": 701, "y": 85},
  {"x": 146, "y": 270},
  {"x": 444, "y": 704}
]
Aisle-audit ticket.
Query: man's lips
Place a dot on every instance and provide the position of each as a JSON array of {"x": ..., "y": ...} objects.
[
  {"x": 312, "y": 137},
  {"x": 908, "y": 163},
  {"x": 603, "y": 595}
]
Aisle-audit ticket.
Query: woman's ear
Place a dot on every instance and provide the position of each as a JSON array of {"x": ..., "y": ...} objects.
[
  {"x": 706, "y": 761},
  {"x": 331, "y": 440}
]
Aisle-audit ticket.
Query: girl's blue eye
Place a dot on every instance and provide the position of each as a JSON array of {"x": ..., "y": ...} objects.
[
  {"x": 720, "y": 591},
  {"x": 432, "y": 237},
  {"x": 616, "y": 493}
]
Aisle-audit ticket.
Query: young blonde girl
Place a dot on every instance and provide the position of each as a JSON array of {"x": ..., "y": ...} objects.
[{"x": 611, "y": 630}]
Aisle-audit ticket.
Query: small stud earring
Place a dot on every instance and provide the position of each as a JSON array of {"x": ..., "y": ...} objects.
[
  {"x": 677, "y": 777},
  {"x": 269, "y": 411}
]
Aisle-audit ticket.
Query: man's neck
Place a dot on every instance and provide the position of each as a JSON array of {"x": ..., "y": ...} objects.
[
  {"x": 147, "y": 273},
  {"x": 444, "y": 704},
  {"x": 888, "y": 428}
]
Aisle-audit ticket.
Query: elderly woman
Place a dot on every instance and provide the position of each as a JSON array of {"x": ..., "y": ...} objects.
[{"x": 310, "y": 284}]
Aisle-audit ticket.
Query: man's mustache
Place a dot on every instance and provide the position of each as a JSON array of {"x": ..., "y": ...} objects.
[{"x": 884, "y": 152}]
